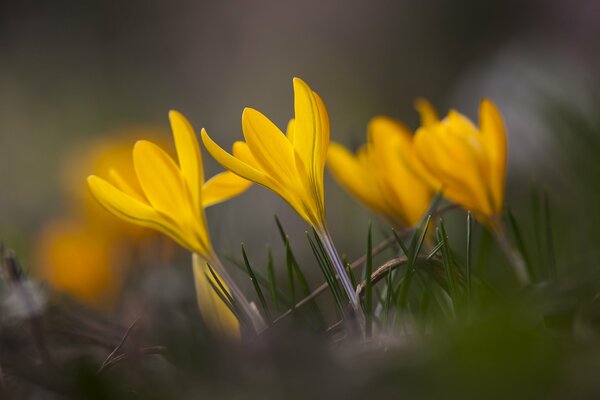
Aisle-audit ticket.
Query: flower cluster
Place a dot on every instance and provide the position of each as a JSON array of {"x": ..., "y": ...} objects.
[{"x": 396, "y": 174}]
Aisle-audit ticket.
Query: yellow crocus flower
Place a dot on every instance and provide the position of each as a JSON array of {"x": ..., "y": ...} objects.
[
  {"x": 170, "y": 197},
  {"x": 468, "y": 161},
  {"x": 379, "y": 176},
  {"x": 291, "y": 164}
]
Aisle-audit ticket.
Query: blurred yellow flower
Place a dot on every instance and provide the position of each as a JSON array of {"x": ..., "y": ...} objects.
[
  {"x": 170, "y": 197},
  {"x": 71, "y": 257},
  {"x": 290, "y": 165},
  {"x": 379, "y": 176},
  {"x": 469, "y": 162}
]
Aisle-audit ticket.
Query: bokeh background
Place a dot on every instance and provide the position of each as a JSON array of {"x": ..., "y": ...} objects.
[
  {"x": 74, "y": 74},
  {"x": 71, "y": 72}
]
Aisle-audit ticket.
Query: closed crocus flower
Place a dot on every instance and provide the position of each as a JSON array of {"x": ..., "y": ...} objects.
[
  {"x": 170, "y": 197},
  {"x": 291, "y": 164},
  {"x": 468, "y": 161},
  {"x": 379, "y": 176}
]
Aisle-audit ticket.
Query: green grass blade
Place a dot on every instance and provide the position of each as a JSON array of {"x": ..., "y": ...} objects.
[
  {"x": 448, "y": 261},
  {"x": 272, "y": 278},
  {"x": 329, "y": 277},
  {"x": 261, "y": 297}
]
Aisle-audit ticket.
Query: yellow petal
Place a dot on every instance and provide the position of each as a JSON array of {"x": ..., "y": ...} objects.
[
  {"x": 121, "y": 183},
  {"x": 311, "y": 135},
  {"x": 222, "y": 187},
  {"x": 451, "y": 162},
  {"x": 407, "y": 195},
  {"x": 232, "y": 163},
  {"x": 132, "y": 210},
  {"x": 493, "y": 135},
  {"x": 245, "y": 165},
  {"x": 215, "y": 313},
  {"x": 161, "y": 180},
  {"x": 427, "y": 112},
  {"x": 188, "y": 154},
  {"x": 354, "y": 177},
  {"x": 269, "y": 146},
  {"x": 291, "y": 127}
]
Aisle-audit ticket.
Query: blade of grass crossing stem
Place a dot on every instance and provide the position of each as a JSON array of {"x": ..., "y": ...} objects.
[
  {"x": 415, "y": 248},
  {"x": 520, "y": 242},
  {"x": 368, "y": 298},
  {"x": 302, "y": 281},
  {"x": 259, "y": 293},
  {"x": 401, "y": 243},
  {"x": 434, "y": 251},
  {"x": 329, "y": 265},
  {"x": 549, "y": 236},
  {"x": 272, "y": 279},
  {"x": 329, "y": 277},
  {"x": 225, "y": 296},
  {"x": 448, "y": 261}
]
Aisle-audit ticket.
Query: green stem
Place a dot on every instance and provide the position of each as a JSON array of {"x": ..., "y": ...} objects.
[{"x": 341, "y": 271}]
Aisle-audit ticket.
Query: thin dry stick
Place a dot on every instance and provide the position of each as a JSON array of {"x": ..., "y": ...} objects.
[
  {"x": 119, "y": 346},
  {"x": 152, "y": 350}
]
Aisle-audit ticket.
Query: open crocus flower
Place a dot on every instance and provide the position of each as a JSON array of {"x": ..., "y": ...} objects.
[
  {"x": 291, "y": 164},
  {"x": 378, "y": 175},
  {"x": 170, "y": 197},
  {"x": 469, "y": 162}
]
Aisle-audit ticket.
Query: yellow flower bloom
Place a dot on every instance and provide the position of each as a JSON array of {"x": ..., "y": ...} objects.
[
  {"x": 170, "y": 197},
  {"x": 469, "y": 162},
  {"x": 378, "y": 175},
  {"x": 290, "y": 165},
  {"x": 72, "y": 258}
]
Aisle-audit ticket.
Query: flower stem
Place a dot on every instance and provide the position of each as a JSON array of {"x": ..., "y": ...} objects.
[
  {"x": 341, "y": 271},
  {"x": 514, "y": 256},
  {"x": 250, "y": 311}
]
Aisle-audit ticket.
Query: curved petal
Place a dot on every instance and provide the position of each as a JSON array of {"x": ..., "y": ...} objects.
[
  {"x": 407, "y": 194},
  {"x": 188, "y": 154},
  {"x": 354, "y": 177},
  {"x": 232, "y": 163},
  {"x": 493, "y": 134},
  {"x": 269, "y": 146},
  {"x": 222, "y": 187},
  {"x": 161, "y": 181},
  {"x": 427, "y": 112},
  {"x": 291, "y": 128},
  {"x": 132, "y": 210},
  {"x": 121, "y": 183}
]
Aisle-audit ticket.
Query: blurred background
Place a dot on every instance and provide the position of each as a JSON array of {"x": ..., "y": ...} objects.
[
  {"x": 74, "y": 72},
  {"x": 81, "y": 81}
]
